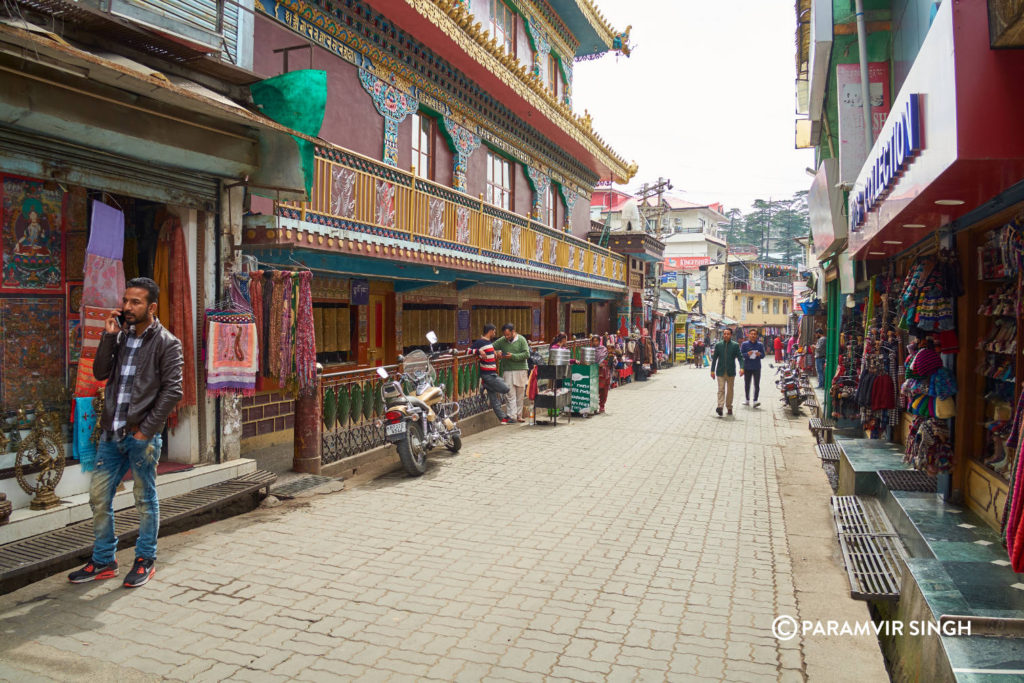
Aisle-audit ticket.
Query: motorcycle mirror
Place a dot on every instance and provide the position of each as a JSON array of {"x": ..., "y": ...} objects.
[
  {"x": 431, "y": 337},
  {"x": 401, "y": 358},
  {"x": 382, "y": 373}
]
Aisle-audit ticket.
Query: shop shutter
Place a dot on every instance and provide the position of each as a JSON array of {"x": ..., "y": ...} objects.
[{"x": 36, "y": 156}]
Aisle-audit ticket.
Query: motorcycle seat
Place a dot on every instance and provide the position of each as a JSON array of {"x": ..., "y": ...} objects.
[{"x": 413, "y": 401}]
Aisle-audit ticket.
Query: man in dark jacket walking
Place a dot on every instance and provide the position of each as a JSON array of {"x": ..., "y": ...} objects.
[
  {"x": 723, "y": 368},
  {"x": 141, "y": 362}
]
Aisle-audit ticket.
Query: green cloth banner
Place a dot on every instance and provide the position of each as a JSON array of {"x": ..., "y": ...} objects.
[{"x": 298, "y": 100}]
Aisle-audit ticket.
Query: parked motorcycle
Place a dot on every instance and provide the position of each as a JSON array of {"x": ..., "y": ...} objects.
[
  {"x": 789, "y": 385},
  {"x": 419, "y": 421}
]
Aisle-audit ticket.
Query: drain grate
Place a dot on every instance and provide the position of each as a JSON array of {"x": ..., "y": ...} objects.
[
  {"x": 301, "y": 484},
  {"x": 908, "y": 480}
]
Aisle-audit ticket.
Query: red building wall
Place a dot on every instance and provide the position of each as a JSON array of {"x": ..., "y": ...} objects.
[{"x": 351, "y": 120}]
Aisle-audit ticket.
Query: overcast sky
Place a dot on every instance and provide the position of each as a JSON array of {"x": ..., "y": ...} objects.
[{"x": 706, "y": 99}]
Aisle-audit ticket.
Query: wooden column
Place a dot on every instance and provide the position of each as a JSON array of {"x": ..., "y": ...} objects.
[{"x": 308, "y": 442}]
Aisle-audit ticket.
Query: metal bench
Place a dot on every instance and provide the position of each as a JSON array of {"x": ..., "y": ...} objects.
[
  {"x": 872, "y": 551},
  {"x": 54, "y": 549},
  {"x": 829, "y": 452},
  {"x": 822, "y": 432}
]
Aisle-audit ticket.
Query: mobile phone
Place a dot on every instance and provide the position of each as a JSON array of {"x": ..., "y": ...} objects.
[{"x": 120, "y": 319}]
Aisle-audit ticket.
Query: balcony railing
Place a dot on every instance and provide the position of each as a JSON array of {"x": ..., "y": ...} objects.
[
  {"x": 349, "y": 188},
  {"x": 351, "y": 405},
  {"x": 766, "y": 286}
]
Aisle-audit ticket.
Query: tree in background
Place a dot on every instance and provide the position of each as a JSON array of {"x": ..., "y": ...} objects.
[{"x": 772, "y": 225}]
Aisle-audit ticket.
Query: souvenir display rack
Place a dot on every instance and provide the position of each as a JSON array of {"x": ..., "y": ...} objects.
[{"x": 991, "y": 367}]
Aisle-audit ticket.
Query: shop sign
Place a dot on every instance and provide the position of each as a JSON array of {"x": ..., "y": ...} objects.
[
  {"x": 890, "y": 159},
  {"x": 685, "y": 262},
  {"x": 360, "y": 292}
]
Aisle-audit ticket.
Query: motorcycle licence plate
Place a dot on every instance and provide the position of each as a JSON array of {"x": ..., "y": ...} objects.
[
  {"x": 791, "y": 394},
  {"x": 396, "y": 431}
]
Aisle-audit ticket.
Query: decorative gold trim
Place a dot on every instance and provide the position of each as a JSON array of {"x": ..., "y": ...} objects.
[{"x": 461, "y": 27}]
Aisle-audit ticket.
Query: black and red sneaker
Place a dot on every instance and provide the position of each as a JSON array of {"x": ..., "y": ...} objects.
[
  {"x": 93, "y": 572},
  {"x": 142, "y": 571}
]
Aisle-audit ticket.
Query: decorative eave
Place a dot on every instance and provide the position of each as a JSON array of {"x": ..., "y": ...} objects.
[
  {"x": 601, "y": 27},
  {"x": 453, "y": 20}
]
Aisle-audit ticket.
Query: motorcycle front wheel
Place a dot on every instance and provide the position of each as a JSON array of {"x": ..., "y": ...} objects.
[
  {"x": 455, "y": 444},
  {"x": 413, "y": 451}
]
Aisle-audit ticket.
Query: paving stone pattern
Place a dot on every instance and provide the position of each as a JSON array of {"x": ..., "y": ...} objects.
[{"x": 645, "y": 544}]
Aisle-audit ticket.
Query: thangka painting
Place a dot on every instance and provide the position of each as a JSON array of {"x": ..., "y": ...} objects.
[
  {"x": 32, "y": 340},
  {"x": 32, "y": 236},
  {"x": 74, "y": 340}
]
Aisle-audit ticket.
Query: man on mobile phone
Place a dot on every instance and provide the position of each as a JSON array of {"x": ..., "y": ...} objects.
[{"x": 141, "y": 362}]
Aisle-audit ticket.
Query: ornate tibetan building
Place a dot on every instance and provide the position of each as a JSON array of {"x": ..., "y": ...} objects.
[{"x": 450, "y": 181}]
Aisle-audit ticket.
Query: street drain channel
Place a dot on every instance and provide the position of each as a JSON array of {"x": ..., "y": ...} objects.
[
  {"x": 300, "y": 484},
  {"x": 907, "y": 480}
]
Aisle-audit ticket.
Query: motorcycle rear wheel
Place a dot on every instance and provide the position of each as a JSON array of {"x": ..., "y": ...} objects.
[
  {"x": 794, "y": 405},
  {"x": 413, "y": 451}
]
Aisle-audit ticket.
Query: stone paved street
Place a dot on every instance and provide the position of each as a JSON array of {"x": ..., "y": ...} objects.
[{"x": 650, "y": 543}]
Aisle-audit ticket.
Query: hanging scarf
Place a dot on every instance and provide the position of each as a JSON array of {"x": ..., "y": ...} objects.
[
  {"x": 162, "y": 262},
  {"x": 240, "y": 292},
  {"x": 256, "y": 296},
  {"x": 268, "y": 304},
  {"x": 180, "y": 302},
  {"x": 276, "y": 317},
  {"x": 285, "y": 362},
  {"x": 1014, "y": 528},
  {"x": 305, "y": 339}
]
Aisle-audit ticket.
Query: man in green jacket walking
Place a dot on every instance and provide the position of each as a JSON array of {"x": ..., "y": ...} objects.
[
  {"x": 723, "y": 367},
  {"x": 513, "y": 350}
]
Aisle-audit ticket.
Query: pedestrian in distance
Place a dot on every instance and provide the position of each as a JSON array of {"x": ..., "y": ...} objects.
[
  {"x": 141, "y": 362},
  {"x": 724, "y": 361},
  {"x": 790, "y": 347},
  {"x": 752, "y": 351},
  {"x": 604, "y": 357},
  {"x": 513, "y": 350},
  {"x": 493, "y": 385},
  {"x": 819, "y": 356},
  {"x": 778, "y": 349},
  {"x": 698, "y": 353}
]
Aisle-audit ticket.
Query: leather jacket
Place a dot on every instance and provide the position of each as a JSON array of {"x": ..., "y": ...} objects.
[{"x": 156, "y": 388}]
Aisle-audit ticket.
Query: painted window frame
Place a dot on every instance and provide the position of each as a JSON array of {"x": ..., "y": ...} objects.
[
  {"x": 494, "y": 189},
  {"x": 502, "y": 14},
  {"x": 553, "y": 75},
  {"x": 551, "y": 215},
  {"x": 420, "y": 118}
]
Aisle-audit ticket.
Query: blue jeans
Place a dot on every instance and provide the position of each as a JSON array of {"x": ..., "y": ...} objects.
[
  {"x": 819, "y": 365},
  {"x": 495, "y": 387},
  {"x": 113, "y": 460}
]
